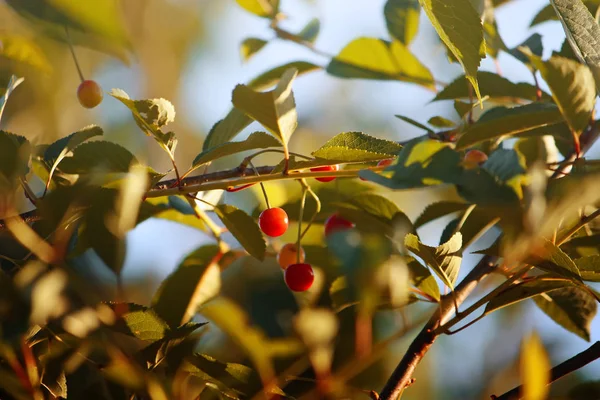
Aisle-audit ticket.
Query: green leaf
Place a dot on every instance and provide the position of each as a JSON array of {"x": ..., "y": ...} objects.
[
  {"x": 522, "y": 291},
  {"x": 257, "y": 140},
  {"x": 233, "y": 321},
  {"x": 310, "y": 32},
  {"x": 372, "y": 58},
  {"x": 573, "y": 89},
  {"x": 376, "y": 204},
  {"x": 572, "y": 308},
  {"x": 13, "y": 82},
  {"x": 583, "y": 32},
  {"x": 502, "y": 121},
  {"x": 545, "y": 14},
  {"x": 444, "y": 260},
  {"x": 99, "y": 154},
  {"x": 552, "y": 259},
  {"x": 441, "y": 122},
  {"x": 195, "y": 281},
  {"x": 141, "y": 322},
  {"x": 589, "y": 267},
  {"x": 262, "y": 8},
  {"x": 275, "y": 110},
  {"x": 533, "y": 43},
  {"x": 251, "y": 46},
  {"x": 414, "y": 123},
  {"x": 235, "y": 121},
  {"x": 22, "y": 49},
  {"x": 438, "y": 210},
  {"x": 14, "y": 157},
  {"x": 402, "y": 19},
  {"x": 459, "y": 26},
  {"x": 244, "y": 228},
  {"x": 492, "y": 85},
  {"x": 150, "y": 116},
  {"x": 423, "y": 280},
  {"x": 357, "y": 147}
]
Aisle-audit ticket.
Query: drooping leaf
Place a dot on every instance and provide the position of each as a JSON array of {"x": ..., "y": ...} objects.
[
  {"x": 535, "y": 369},
  {"x": 257, "y": 140},
  {"x": 250, "y": 47},
  {"x": 423, "y": 280},
  {"x": 262, "y": 8},
  {"x": 573, "y": 89},
  {"x": 195, "y": 281},
  {"x": 444, "y": 260},
  {"x": 13, "y": 82},
  {"x": 275, "y": 110},
  {"x": 372, "y": 58},
  {"x": 438, "y": 210},
  {"x": 357, "y": 147},
  {"x": 583, "y": 32},
  {"x": 493, "y": 85},
  {"x": 502, "y": 121},
  {"x": 524, "y": 290},
  {"x": 402, "y": 19},
  {"x": 22, "y": 49},
  {"x": 459, "y": 26},
  {"x": 244, "y": 228},
  {"x": 572, "y": 308}
]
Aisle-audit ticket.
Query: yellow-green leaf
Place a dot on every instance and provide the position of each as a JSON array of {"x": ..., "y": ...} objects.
[
  {"x": 535, "y": 369},
  {"x": 402, "y": 19},
  {"x": 262, "y": 8},
  {"x": 444, "y": 260},
  {"x": 22, "y": 49},
  {"x": 251, "y": 46},
  {"x": 244, "y": 228},
  {"x": 357, "y": 147}
]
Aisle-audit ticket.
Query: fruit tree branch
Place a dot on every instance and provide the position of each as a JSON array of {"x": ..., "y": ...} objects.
[{"x": 572, "y": 364}]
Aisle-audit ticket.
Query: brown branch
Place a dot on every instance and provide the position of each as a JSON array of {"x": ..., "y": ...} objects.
[
  {"x": 402, "y": 375},
  {"x": 572, "y": 364}
]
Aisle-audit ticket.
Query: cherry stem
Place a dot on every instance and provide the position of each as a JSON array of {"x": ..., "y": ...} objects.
[
  {"x": 318, "y": 209},
  {"x": 202, "y": 200},
  {"x": 300, "y": 217},
  {"x": 262, "y": 186},
  {"x": 73, "y": 54}
]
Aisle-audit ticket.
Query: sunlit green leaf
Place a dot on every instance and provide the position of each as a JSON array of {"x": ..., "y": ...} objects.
[
  {"x": 141, "y": 322},
  {"x": 250, "y": 47},
  {"x": 402, "y": 19},
  {"x": 444, "y": 260},
  {"x": 589, "y": 266},
  {"x": 552, "y": 259},
  {"x": 441, "y": 122},
  {"x": 22, "y": 49},
  {"x": 524, "y": 290},
  {"x": 423, "y": 280},
  {"x": 357, "y": 147},
  {"x": 244, "y": 228},
  {"x": 262, "y": 8},
  {"x": 372, "y": 58},
  {"x": 459, "y": 26}
]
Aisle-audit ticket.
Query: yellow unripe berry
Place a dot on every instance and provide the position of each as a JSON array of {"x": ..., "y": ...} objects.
[{"x": 288, "y": 255}]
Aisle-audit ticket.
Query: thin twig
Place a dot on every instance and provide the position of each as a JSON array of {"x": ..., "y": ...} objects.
[{"x": 574, "y": 363}]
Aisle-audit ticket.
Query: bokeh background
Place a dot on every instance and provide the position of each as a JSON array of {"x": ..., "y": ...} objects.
[{"x": 187, "y": 51}]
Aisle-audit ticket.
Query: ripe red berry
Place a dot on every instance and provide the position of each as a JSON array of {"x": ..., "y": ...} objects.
[
  {"x": 288, "y": 255},
  {"x": 385, "y": 163},
  {"x": 326, "y": 168},
  {"x": 273, "y": 221},
  {"x": 474, "y": 158},
  {"x": 299, "y": 277},
  {"x": 89, "y": 94},
  {"x": 336, "y": 223}
]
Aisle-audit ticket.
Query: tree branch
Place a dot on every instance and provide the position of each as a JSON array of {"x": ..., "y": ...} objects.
[
  {"x": 572, "y": 364},
  {"x": 402, "y": 375}
]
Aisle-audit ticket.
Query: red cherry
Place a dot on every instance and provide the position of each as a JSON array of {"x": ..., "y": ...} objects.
[
  {"x": 89, "y": 94},
  {"x": 273, "y": 221},
  {"x": 336, "y": 223},
  {"x": 326, "y": 168},
  {"x": 288, "y": 255},
  {"x": 299, "y": 277},
  {"x": 385, "y": 163}
]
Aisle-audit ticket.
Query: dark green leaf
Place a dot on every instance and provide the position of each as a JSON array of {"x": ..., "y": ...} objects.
[
  {"x": 533, "y": 43},
  {"x": 250, "y": 47},
  {"x": 492, "y": 85},
  {"x": 545, "y": 14},
  {"x": 244, "y": 228},
  {"x": 460, "y": 28},
  {"x": 522, "y": 291},
  {"x": 310, "y": 32},
  {"x": 372, "y": 58},
  {"x": 444, "y": 260},
  {"x": 572, "y": 308},
  {"x": 357, "y": 147},
  {"x": 275, "y": 110},
  {"x": 108, "y": 156},
  {"x": 589, "y": 267},
  {"x": 402, "y": 19},
  {"x": 502, "y": 121},
  {"x": 14, "y": 157},
  {"x": 438, "y": 210},
  {"x": 414, "y": 123},
  {"x": 195, "y": 281},
  {"x": 257, "y": 140}
]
